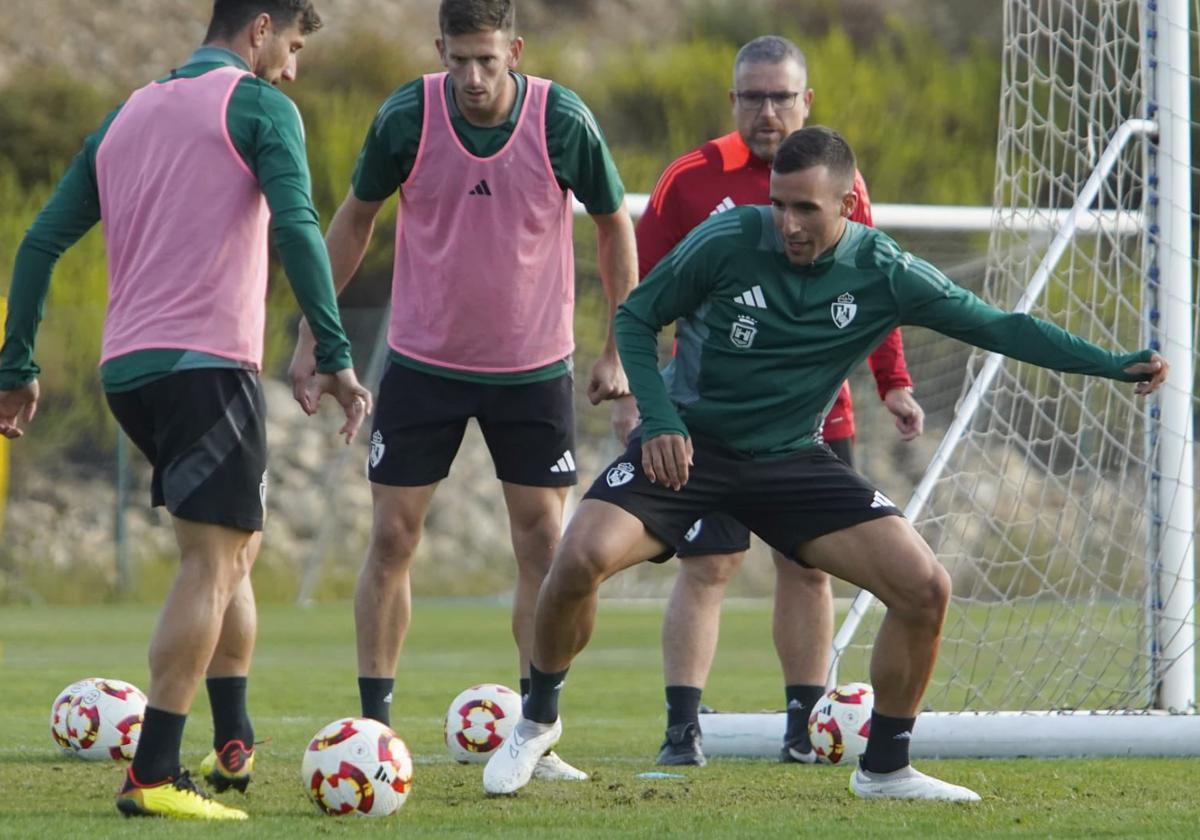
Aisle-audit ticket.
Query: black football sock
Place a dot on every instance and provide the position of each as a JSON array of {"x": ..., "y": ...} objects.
[
  {"x": 801, "y": 700},
  {"x": 231, "y": 722},
  {"x": 375, "y": 695},
  {"x": 683, "y": 705},
  {"x": 524, "y": 688},
  {"x": 157, "y": 755},
  {"x": 541, "y": 706},
  {"x": 887, "y": 745}
]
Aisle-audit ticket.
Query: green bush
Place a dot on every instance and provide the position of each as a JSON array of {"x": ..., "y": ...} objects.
[{"x": 923, "y": 122}]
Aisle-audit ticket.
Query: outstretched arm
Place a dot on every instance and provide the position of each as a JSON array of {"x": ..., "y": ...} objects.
[{"x": 928, "y": 298}]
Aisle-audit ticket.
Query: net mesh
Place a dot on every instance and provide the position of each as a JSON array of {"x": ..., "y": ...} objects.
[{"x": 1041, "y": 514}]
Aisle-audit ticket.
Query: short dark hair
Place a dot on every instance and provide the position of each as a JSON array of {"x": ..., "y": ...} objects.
[
  {"x": 816, "y": 145},
  {"x": 770, "y": 49},
  {"x": 462, "y": 17},
  {"x": 230, "y": 16}
]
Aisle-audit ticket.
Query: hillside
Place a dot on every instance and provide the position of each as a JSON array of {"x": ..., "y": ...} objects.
[{"x": 125, "y": 41}]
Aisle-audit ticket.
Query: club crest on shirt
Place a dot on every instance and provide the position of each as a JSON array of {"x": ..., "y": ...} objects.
[
  {"x": 743, "y": 332},
  {"x": 622, "y": 473},
  {"x": 376, "y": 448},
  {"x": 844, "y": 309}
]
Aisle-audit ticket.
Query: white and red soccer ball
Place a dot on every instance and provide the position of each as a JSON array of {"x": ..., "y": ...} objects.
[
  {"x": 357, "y": 766},
  {"x": 841, "y": 722},
  {"x": 98, "y": 719},
  {"x": 478, "y": 721},
  {"x": 59, "y": 709}
]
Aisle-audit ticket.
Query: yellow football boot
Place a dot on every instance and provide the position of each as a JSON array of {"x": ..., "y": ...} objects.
[
  {"x": 177, "y": 797},
  {"x": 229, "y": 768}
]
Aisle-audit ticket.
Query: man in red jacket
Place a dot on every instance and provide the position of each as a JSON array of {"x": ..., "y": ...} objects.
[{"x": 770, "y": 99}]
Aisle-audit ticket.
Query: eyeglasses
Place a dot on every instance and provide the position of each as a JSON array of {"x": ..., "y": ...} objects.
[{"x": 753, "y": 100}]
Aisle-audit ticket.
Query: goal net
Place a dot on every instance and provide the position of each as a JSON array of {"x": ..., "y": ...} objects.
[{"x": 1062, "y": 505}]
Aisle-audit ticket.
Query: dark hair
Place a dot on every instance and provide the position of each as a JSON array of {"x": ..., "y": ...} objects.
[
  {"x": 770, "y": 49},
  {"x": 230, "y": 16},
  {"x": 816, "y": 145},
  {"x": 462, "y": 17}
]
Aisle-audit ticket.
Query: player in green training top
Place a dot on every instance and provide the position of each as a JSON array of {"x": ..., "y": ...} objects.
[
  {"x": 733, "y": 424},
  {"x": 485, "y": 160}
]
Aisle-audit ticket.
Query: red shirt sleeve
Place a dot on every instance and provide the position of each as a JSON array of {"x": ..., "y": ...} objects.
[{"x": 658, "y": 230}]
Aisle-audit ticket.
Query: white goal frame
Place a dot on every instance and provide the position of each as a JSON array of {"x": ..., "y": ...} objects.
[{"x": 1171, "y": 726}]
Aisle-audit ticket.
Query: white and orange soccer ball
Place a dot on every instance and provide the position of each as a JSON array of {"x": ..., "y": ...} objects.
[
  {"x": 478, "y": 721},
  {"x": 59, "y": 708},
  {"x": 357, "y": 766},
  {"x": 104, "y": 720},
  {"x": 840, "y": 723}
]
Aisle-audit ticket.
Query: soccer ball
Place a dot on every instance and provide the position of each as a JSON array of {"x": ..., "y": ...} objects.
[
  {"x": 58, "y": 711},
  {"x": 478, "y": 721},
  {"x": 357, "y": 766},
  {"x": 104, "y": 721},
  {"x": 839, "y": 725}
]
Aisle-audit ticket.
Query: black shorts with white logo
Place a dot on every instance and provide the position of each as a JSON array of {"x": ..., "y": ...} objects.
[
  {"x": 204, "y": 432},
  {"x": 720, "y": 533},
  {"x": 420, "y": 420},
  {"x": 785, "y": 501}
]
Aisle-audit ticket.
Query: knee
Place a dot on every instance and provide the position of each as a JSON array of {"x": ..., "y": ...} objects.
[
  {"x": 926, "y": 595},
  {"x": 800, "y": 581},
  {"x": 711, "y": 570},
  {"x": 393, "y": 543},
  {"x": 579, "y": 567}
]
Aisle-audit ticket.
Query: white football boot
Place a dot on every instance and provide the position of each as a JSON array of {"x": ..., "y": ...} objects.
[
  {"x": 552, "y": 768},
  {"x": 907, "y": 783},
  {"x": 511, "y": 766}
]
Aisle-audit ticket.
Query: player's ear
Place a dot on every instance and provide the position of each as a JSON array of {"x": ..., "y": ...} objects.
[
  {"x": 515, "y": 47},
  {"x": 849, "y": 204}
]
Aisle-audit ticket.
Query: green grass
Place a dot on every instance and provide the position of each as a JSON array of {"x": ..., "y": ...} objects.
[{"x": 304, "y": 677}]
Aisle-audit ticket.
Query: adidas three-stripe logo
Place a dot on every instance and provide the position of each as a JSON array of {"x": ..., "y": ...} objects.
[
  {"x": 880, "y": 501},
  {"x": 752, "y": 297},
  {"x": 481, "y": 189},
  {"x": 566, "y": 464},
  {"x": 726, "y": 204}
]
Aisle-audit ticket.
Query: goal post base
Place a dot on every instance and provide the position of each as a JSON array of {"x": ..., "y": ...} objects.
[{"x": 988, "y": 734}]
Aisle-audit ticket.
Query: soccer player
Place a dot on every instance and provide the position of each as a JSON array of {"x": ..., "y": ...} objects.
[
  {"x": 189, "y": 175},
  {"x": 485, "y": 160},
  {"x": 732, "y": 425},
  {"x": 770, "y": 99}
]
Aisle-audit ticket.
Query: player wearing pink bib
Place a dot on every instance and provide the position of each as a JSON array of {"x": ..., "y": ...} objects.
[
  {"x": 186, "y": 176},
  {"x": 485, "y": 160}
]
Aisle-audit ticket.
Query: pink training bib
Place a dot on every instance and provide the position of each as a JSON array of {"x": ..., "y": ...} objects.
[
  {"x": 484, "y": 276},
  {"x": 186, "y": 225}
]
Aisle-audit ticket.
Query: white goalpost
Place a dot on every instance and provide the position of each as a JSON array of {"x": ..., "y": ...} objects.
[{"x": 1064, "y": 506}]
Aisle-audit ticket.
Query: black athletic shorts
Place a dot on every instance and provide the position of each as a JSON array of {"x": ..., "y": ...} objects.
[
  {"x": 420, "y": 419},
  {"x": 785, "y": 501},
  {"x": 720, "y": 533},
  {"x": 204, "y": 432}
]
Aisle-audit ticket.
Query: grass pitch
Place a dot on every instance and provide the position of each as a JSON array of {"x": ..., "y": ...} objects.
[{"x": 304, "y": 677}]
